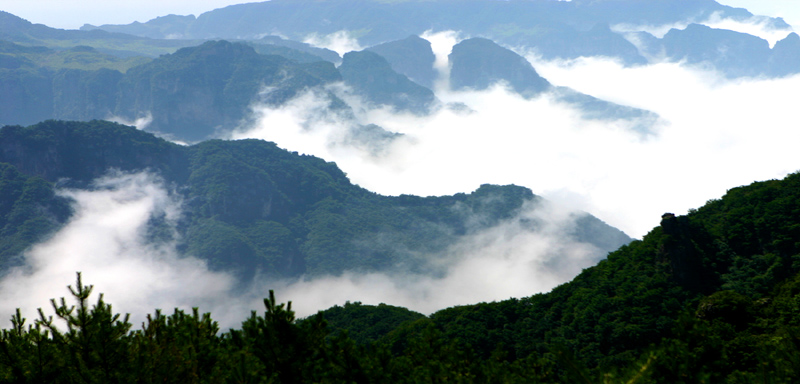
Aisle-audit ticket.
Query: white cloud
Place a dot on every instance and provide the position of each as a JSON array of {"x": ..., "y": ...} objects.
[
  {"x": 759, "y": 26},
  {"x": 340, "y": 42}
]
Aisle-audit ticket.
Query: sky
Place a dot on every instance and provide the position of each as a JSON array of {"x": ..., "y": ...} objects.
[{"x": 72, "y": 14}]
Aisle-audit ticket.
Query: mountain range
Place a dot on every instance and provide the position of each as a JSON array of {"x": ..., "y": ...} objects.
[
  {"x": 553, "y": 29},
  {"x": 168, "y": 93}
]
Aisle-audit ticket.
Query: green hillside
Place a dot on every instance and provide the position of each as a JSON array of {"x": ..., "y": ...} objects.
[{"x": 252, "y": 206}]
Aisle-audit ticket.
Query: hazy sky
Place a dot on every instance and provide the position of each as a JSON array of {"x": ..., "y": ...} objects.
[{"x": 72, "y": 14}]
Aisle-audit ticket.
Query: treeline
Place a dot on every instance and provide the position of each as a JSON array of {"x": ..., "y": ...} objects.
[{"x": 90, "y": 343}]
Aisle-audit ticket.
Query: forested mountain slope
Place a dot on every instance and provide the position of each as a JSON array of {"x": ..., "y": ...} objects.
[
  {"x": 249, "y": 205},
  {"x": 707, "y": 297},
  {"x": 709, "y": 294}
]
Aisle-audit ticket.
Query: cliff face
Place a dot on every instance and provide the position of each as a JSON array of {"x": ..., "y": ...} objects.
[
  {"x": 85, "y": 95},
  {"x": 26, "y": 95},
  {"x": 785, "y": 56}
]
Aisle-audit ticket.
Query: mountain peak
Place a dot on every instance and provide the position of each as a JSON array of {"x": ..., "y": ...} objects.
[{"x": 478, "y": 63}]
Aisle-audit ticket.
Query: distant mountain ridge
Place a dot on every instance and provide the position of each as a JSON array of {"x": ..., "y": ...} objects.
[
  {"x": 168, "y": 89},
  {"x": 554, "y": 29},
  {"x": 478, "y": 63}
]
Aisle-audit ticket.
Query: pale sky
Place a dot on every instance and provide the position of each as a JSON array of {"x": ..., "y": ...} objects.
[{"x": 72, "y": 14}]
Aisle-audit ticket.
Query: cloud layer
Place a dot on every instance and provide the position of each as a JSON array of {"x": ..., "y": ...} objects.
[
  {"x": 107, "y": 241},
  {"x": 760, "y": 26},
  {"x": 718, "y": 134}
]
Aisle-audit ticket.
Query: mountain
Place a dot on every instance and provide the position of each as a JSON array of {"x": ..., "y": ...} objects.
[
  {"x": 13, "y": 28},
  {"x": 190, "y": 94},
  {"x": 559, "y": 42},
  {"x": 275, "y": 45},
  {"x": 83, "y": 84},
  {"x": 478, "y": 63},
  {"x": 75, "y": 57},
  {"x": 412, "y": 57},
  {"x": 162, "y": 27},
  {"x": 17, "y": 30},
  {"x": 29, "y": 211},
  {"x": 251, "y": 206},
  {"x": 733, "y": 54},
  {"x": 785, "y": 58},
  {"x": 40, "y": 83},
  {"x": 373, "y": 78},
  {"x": 198, "y": 91},
  {"x": 737, "y": 54}
]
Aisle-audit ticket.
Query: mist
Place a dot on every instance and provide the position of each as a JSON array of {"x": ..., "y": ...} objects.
[
  {"x": 106, "y": 241},
  {"x": 140, "y": 123}
]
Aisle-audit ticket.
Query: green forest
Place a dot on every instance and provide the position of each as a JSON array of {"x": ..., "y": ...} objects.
[{"x": 709, "y": 297}]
